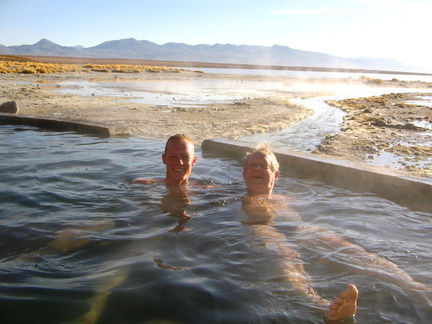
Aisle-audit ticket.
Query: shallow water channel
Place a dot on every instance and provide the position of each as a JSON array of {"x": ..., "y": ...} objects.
[
  {"x": 196, "y": 92},
  {"x": 175, "y": 92}
]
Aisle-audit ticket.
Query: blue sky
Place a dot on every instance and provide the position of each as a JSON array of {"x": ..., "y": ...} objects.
[{"x": 395, "y": 29}]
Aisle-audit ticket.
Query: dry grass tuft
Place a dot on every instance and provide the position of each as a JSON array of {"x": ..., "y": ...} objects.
[
  {"x": 26, "y": 66},
  {"x": 15, "y": 58},
  {"x": 366, "y": 79}
]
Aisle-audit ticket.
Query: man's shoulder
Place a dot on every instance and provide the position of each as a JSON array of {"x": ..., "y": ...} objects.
[{"x": 146, "y": 181}]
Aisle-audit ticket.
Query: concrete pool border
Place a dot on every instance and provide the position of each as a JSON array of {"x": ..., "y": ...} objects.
[
  {"x": 64, "y": 125},
  {"x": 414, "y": 193}
]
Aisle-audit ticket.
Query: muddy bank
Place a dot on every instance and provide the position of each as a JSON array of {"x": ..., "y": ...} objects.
[
  {"x": 393, "y": 130},
  {"x": 36, "y": 96}
]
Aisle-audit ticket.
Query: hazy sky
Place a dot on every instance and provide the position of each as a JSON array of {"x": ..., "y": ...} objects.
[{"x": 397, "y": 29}]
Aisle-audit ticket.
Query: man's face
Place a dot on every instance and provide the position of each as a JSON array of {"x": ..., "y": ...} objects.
[
  {"x": 258, "y": 174},
  {"x": 179, "y": 160}
]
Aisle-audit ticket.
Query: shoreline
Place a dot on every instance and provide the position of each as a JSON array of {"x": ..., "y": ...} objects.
[
  {"x": 194, "y": 65},
  {"x": 36, "y": 96},
  {"x": 363, "y": 136},
  {"x": 391, "y": 128}
]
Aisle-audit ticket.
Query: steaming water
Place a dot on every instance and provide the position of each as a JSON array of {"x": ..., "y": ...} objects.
[
  {"x": 319, "y": 75},
  {"x": 304, "y": 136},
  {"x": 212, "y": 268},
  {"x": 196, "y": 92},
  {"x": 308, "y": 133},
  {"x": 176, "y": 92}
]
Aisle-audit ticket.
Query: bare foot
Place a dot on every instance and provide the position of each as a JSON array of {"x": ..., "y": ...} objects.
[{"x": 344, "y": 306}]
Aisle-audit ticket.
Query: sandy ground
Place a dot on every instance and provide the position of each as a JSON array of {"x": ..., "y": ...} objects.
[
  {"x": 373, "y": 126},
  {"x": 35, "y": 97},
  {"x": 393, "y": 128}
]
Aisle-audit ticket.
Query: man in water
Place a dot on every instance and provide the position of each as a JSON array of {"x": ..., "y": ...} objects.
[
  {"x": 179, "y": 158},
  {"x": 261, "y": 170}
]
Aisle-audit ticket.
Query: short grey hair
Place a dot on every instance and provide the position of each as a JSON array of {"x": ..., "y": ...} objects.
[{"x": 266, "y": 149}]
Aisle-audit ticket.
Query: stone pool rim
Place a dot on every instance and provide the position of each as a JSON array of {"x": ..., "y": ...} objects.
[
  {"x": 414, "y": 193},
  {"x": 64, "y": 125}
]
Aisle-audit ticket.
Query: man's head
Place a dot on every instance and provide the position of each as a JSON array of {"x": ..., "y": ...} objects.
[
  {"x": 260, "y": 170},
  {"x": 179, "y": 158}
]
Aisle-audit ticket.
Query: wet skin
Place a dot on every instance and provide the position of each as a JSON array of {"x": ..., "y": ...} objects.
[
  {"x": 259, "y": 176},
  {"x": 262, "y": 206},
  {"x": 179, "y": 159}
]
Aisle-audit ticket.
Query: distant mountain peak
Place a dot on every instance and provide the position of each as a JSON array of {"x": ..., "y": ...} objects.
[
  {"x": 131, "y": 48},
  {"x": 124, "y": 40},
  {"x": 125, "y": 43},
  {"x": 44, "y": 42}
]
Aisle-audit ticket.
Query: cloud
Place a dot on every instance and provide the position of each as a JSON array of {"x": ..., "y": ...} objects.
[{"x": 300, "y": 12}]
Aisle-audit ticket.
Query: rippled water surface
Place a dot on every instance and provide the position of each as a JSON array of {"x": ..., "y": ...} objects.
[{"x": 146, "y": 253}]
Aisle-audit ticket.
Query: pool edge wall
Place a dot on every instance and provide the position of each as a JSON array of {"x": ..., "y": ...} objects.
[
  {"x": 63, "y": 125},
  {"x": 410, "y": 192}
]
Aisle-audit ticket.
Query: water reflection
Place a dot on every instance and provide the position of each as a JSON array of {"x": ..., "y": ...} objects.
[
  {"x": 175, "y": 202},
  {"x": 215, "y": 272}
]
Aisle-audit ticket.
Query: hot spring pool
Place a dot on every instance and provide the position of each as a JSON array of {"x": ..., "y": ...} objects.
[{"x": 145, "y": 253}]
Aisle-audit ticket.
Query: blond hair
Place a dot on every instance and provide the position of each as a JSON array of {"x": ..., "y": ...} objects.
[
  {"x": 264, "y": 148},
  {"x": 179, "y": 138}
]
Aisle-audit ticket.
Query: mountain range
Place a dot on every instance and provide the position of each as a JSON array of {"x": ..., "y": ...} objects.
[{"x": 275, "y": 55}]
